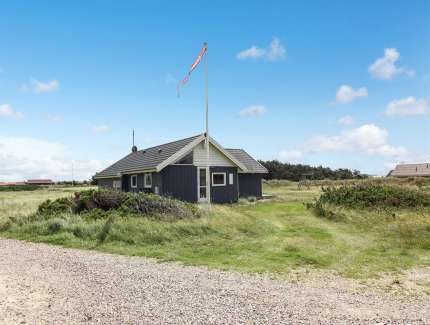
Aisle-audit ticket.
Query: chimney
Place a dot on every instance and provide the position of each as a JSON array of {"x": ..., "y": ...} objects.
[{"x": 134, "y": 148}]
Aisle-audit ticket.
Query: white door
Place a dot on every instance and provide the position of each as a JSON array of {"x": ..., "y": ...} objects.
[{"x": 202, "y": 185}]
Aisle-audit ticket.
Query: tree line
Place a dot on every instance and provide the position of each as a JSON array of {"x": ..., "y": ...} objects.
[{"x": 279, "y": 170}]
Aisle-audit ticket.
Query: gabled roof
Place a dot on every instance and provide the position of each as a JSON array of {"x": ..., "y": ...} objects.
[
  {"x": 411, "y": 170},
  {"x": 145, "y": 159},
  {"x": 252, "y": 165},
  {"x": 158, "y": 157}
]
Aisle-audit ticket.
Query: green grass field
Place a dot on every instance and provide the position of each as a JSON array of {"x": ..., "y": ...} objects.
[{"x": 275, "y": 236}]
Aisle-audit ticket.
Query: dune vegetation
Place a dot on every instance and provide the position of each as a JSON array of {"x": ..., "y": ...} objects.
[{"x": 313, "y": 229}]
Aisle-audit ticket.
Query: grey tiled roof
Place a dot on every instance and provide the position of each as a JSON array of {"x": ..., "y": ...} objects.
[
  {"x": 150, "y": 158},
  {"x": 411, "y": 170},
  {"x": 145, "y": 159},
  {"x": 250, "y": 163}
]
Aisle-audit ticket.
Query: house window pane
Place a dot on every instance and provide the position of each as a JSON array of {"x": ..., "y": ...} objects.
[
  {"x": 134, "y": 181},
  {"x": 203, "y": 192},
  {"x": 230, "y": 179},
  {"x": 187, "y": 160},
  {"x": 202, "y": 177},
  {"x": 218, "y": 179},
  {"x": 147, "y": 180}
]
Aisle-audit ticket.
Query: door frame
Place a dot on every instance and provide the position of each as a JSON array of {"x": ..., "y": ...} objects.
[{"x": 200, "y": 200}]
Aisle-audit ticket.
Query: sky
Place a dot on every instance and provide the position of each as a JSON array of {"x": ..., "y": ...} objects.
[{"x": 333, "y": 83}]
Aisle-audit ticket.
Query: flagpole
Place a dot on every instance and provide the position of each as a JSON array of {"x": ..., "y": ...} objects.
[{"x": 208, "y": 180}]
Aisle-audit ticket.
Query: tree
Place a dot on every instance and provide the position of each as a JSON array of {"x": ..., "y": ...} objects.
[{"x": 279, "y": 170}]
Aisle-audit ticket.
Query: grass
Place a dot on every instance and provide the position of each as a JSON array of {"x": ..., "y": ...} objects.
[
  {"x": 275, "y": 236},
  {"x": 17, "y": 204}
]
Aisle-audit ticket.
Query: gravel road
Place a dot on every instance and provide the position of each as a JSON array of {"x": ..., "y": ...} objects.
[{"x": 43, "y": 284}]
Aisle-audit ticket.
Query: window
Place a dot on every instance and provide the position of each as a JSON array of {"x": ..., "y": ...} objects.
[
  {"x": 218, "y": 179},
  {"x": 133, "y": 181},
  {"x": 230, "y": 179},
  {"x": 187, "y": 160},
  {"x": 117, "y": 185},
  {"x": 147, "y": 180}
]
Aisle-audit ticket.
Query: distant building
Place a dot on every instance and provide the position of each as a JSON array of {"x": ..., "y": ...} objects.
[
  {"x": 39, "y": 182},
  {"x": 411, "y": 170},
  {"x": 12, "y": 183}
]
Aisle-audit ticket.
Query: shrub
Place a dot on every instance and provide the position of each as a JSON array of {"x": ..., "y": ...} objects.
[
  {"x": 152, "y": 205},
  {"x": 57, "y": 206},
  {"x": 95, "y": 204},
  {"x": 96, "y": 214},
  {"x": 367, "y": 195},
  {"x": 98, "y": 199}
]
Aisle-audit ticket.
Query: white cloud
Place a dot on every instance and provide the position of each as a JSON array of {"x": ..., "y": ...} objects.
[
  {"x": 45, "y": 87},
  {"x": 252, "y": 53},
  {"x": 54, "y": 118},
  {"x": 407, "y": 106},
  {"x": 346, "y": 94},
  {"x": 39, "y": 87},
  {"x": 7, "y": 111},
  {"x": 275, "y": 52},
  {"x": 385, "y": 67},
  {"x": 290, "y": 155},
  {"x": 367, "y": 139},
  {"x": 255, "y": 110},
  {"x": 100, "y": 129},
  {"x": 23, "y": 158},
  {"x": 346, "y": 120}
]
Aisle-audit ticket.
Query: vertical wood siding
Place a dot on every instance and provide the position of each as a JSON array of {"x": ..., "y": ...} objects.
[
  {"x": 250, "y": 185},
  {"x": 228, "y": 193},
  {"x": 180, "y": 181}
]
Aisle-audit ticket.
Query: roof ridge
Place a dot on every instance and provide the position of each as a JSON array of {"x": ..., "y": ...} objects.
[{"x": 163, "y": 144}]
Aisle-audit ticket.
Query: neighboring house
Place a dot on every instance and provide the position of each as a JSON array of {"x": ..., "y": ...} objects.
[
  {"x": 411, "y": 170},
  {"x": 39, "y": 182},
  {"x": 178, "y": 169}
]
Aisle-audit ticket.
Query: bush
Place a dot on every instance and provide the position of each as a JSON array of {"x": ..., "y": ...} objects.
[
  {"x": 366, "y": 195},
  {"x": 57, "y": 206},
  {"x": 152, "y": 205},
  {"x": 95, "y": 203}
]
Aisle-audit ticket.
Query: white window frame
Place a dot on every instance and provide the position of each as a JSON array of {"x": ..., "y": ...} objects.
[
  {"x": 230, "y": 179},
  {"x": 131, "y": 181},
  {"x": 145, "y": 185},
  {"x": 225, "y": 179}
]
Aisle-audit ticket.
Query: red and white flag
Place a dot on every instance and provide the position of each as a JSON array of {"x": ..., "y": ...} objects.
[{"x": 193, "y": 66}]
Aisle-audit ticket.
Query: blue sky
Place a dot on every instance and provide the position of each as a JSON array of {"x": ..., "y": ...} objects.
[{"x": 332, "y": 83}]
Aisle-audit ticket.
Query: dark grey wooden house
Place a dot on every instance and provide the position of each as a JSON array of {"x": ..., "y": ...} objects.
[{"x": 178, "y": 169}]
